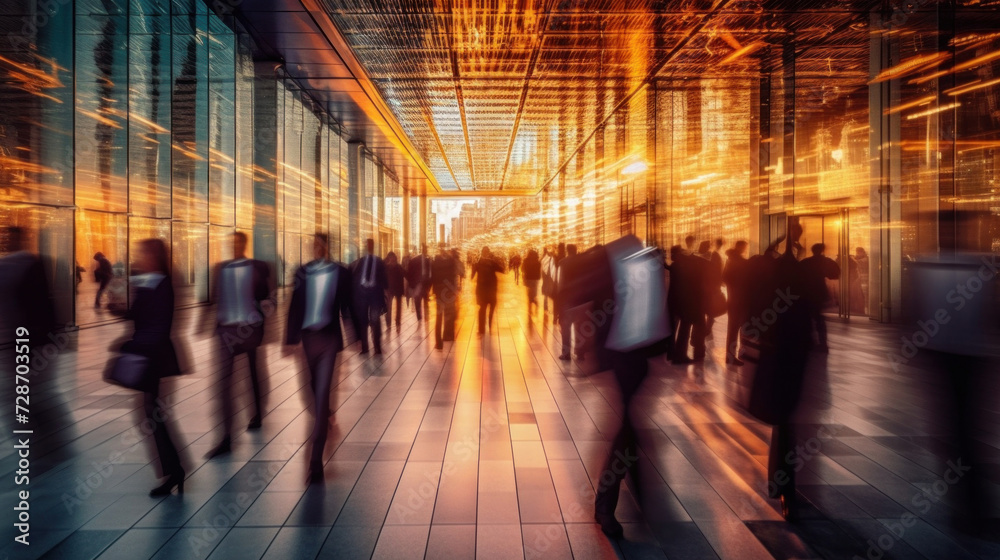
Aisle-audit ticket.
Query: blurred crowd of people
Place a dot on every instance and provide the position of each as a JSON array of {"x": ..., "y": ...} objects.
[{"x": 623, "y": 303}]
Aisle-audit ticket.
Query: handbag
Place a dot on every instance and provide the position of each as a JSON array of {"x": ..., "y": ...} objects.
[{"x": 131, "y": 371}]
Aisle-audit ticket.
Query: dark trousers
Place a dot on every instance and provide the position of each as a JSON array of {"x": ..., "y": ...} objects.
[
  {"x": 399, "y": 311},
  {"x": 573, "y": 321},
  {"x": 630, "y": 370},
  {"x": 444, "y": 322},
  {"x": 321, "y": 355},
  {"x": 157, "y": 418},
  {"x": 369, "y": 311},
  {"x": 100, "y": 290},
  {"x": 517, "y": 276},
  {"x": 780, "y": 471},
  {"x": 492, "y": 305},
  {"x": 693, "y": 329},
  {"x": 423, "y": 307},
  {"x": 818, "y": 322},
  {"x": 734, "y": 322},
  {"x": 234, "y": 341}
]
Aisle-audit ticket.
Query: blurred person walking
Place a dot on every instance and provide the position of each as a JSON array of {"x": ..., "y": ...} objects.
[
  {"x": 103, "y": 275},
  {"x": 240, "y": 287},
  {"x": 395, "y": 277},
  {"x": 444, "y": 279},
  {"x": 370, "y": 284},
  {"x": 486, "y": 287},
  {"x": 571, "y": 304},
  {"x": 152, "y": 314},
  {"x": 687, "y": 303},
  {"x": 515, "y": 265},
  {"x": 321, "y": 301},
  {"x": 815, "y": 271},
  {"x": 418, "y": 275},
  {"x": 532, "y": 268},
  {"x": 735, "y": 276},
  {"x": 715, "y": 300}
]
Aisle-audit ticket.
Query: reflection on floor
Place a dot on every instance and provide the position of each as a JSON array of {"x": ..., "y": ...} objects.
[{"x": 489, "y": 449}]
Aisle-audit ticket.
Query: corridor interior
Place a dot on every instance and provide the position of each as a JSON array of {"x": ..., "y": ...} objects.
[{"x": 490, "y": 448}]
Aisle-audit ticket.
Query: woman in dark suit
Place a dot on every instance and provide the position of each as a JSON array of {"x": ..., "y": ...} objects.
[
  {"x": 153, "y": 314},
  {"x": 322, "y": 295}
]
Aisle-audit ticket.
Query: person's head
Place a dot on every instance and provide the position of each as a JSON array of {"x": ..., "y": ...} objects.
[
  {"x": 390, "y": 258},
  {"x": 486, "y": 252},
  {"x": 153, "y": 256},
  {"x": 817, "y": 249},
  {"x": 239, "y": 245},
  {"x": 321, "y": 246},
  {"x": 705, "y": 246},
  {"x": 740, "y": 247},
  {"x": 719, "y": 242},
  {"x": 370, "y": 246},
  {"x": 98, "y": 256},
  {"x": 676, "y": 252},
  {"x": 860, "y": 253},
  {"x": 571, "y": 249},
  {"x": 689, "y": 242}
]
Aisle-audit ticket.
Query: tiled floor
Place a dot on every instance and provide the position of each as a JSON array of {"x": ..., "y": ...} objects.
[{"x": 487, "y": 449}]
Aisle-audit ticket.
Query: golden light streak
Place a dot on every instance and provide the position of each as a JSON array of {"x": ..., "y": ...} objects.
[
  {"x": 910, "y": 105},
  {"x": 909, "y": 66},
  {"x": 742, "y": 52},
  {"x": 932, "y": 111},
  {"x": 971, "y": 87}
]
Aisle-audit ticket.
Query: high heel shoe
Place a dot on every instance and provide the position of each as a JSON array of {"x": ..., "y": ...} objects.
[{"x": 167, "y": 487}]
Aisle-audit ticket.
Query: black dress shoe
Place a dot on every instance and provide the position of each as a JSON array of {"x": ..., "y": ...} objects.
[
  {"x": 734, "y": 361},
  {"x": 254, "y": 423},
  {"x": 224, "y": 447},
  {"x": 378, "y": 351},
  {"x": 683, "y": 360},
  {"x": 610, "y": 526},
  {"x": 564, "y": 357},
  {"x": 364, "y": 351},
  {"x": 167, "y": 487}
]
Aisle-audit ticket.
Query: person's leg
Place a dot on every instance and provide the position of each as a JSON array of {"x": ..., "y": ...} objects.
[
  {"x": 388, "y": 313},
  {"x": 419, "y": 306},
  {"x": 820, "y": 326},
  {"x": 683, "y": 335},
  {"x": 493, "y": 307},
  {"x": 482, "y": 318},
  {"x": 698, "y": 334},
  {"x": 565, "y": 329},
  {"x": 321, "y": 356},
  {"x": 225, "y": 391},
  {"x": 399, "y": 310},
  {"x": 157, "y": 418},
  {"x": 732, "y": 334},
  {"x": 100, "y": 290},
  {"x": 376, "y": 323},
  {"x": 255, "y": 383},
  {"x": 439, "y": 326}
]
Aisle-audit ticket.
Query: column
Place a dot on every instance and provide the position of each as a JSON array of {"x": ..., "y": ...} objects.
[
  {"x": 423, "y": 221},
  {"x": 265, "y": 163},
  {"x": 355, "y": 192}
]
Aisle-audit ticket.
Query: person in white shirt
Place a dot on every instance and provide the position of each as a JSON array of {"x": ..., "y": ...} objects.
[{"x": 240, "y": 288}]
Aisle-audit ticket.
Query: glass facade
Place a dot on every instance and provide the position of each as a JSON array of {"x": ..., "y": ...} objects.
[{"x": 156, "y": 120}]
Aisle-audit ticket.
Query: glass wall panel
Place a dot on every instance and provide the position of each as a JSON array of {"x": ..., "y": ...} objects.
[
  {"x": 36, "y": 93},
  {"x": 101, "y": 105},
  {"x": 222, "y": 125},
  {"x": 190, "y": 112},
  {"x": 243, "y": 115},
  {"x": 106, "y": 233},
  {"x": 190, "y": 261},
  {"x": 149, "y": 110}
]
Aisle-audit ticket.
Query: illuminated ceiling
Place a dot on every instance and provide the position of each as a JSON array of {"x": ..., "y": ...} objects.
[{"x": 494, "y": 96}]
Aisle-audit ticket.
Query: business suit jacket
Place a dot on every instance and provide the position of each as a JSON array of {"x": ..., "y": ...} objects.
[
  {"x": 260, "y": 278},
  {"x": 375, "y": 295},
  {"x": 415, "y": 274},
  {"x": 153, "y": 315},
  {"x": 395, "y": 274},
  {"x": 486, "y": 287},
  {"x": 340, "y": 308}
]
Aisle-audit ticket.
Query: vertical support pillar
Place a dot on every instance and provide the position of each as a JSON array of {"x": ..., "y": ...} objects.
[
  {"x": 265, "y": 165},
  {"x": 423, "y": 210},
  {"x": 760, "y": 159},
  {"x": 788, "y": 130},
  {"x": 885, "y": 264},
  {"x": 355, "y": 192},
  {"x": 406, "y": 223},
  {"x": 379, "y": 220}
]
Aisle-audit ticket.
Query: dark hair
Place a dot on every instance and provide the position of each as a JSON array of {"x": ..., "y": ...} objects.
[
  {"x": 817, "y": 248},
  {"x": 324, "y": 238},
  {"x": 240, "y": 235},
  {"x": 157, "y": 250}
]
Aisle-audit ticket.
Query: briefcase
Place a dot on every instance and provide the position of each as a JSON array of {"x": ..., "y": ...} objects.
[{"x": 131, "y": 371}]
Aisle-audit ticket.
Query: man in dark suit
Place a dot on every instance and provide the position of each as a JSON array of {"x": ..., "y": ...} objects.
[
  {"x": 239, "y": 288},
  {"x": 444, "y": 280},
  {"x": 686, "y": 303},
  {"x": 569, "y": 303},
  {"x": 103, "y": 274},
  {"x": 370, "y": 284},
  {"x": 815, "y": 270},
  {"x": 736, "y": 277},
  {"x": 322, "y": 292},
  {"x": 418, "y": 276}
]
